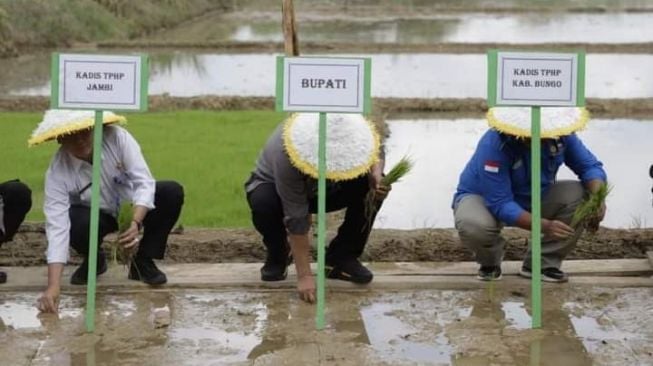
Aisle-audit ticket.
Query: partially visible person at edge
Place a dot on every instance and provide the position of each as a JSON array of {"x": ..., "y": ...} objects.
[
  {"x": 125, "y": 178},
  {"x": 282, "y": 194},
  {"x": 15, "y": 202},
  {"x": 495, "y": 189}
]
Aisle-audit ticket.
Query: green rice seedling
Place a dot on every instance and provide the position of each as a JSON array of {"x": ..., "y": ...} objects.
[
  {"x": 118, "y": 252},
  {"x": 395, "y": 174},
  {"x": 586, "y": 212}
]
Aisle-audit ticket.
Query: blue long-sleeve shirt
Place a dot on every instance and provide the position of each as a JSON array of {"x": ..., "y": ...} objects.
[{"x": 499, "y": 171}]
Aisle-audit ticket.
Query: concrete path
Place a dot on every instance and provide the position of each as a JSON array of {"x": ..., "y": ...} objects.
[{"x": 388, "y": 275}]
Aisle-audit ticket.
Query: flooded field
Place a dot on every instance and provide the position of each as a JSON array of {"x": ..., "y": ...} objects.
[
  {"x": 492, "y": 326},
  {"x": 442, "y": 147},
  {"x": 410, "y": 26},
  {"x": 187, "y": 74}
]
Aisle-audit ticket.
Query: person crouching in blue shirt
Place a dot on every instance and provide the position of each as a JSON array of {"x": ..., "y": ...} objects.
[{"x": 494, "y": 189}]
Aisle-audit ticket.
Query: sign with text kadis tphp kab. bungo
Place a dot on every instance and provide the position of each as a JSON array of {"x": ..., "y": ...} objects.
[
  {"x": 99, "y": 82},
  {"x": 323, "y": 84},
  {"x": 536, "y": 79}
]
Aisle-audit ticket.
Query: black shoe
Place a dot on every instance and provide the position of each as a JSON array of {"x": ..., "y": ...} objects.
[
  {"x": 80, "y": 276},
  {"x": 274, "y": 270},
  {"x": 349, "y": 270},
  {"x": 3, "y": 277},
  {"x": 550, "y": 274},
  {"x": 489, "y": 273},
  {"x": 144, "y": 269}
]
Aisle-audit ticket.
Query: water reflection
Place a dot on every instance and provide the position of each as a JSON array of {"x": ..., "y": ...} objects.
[
  {"x": 624, "y": 146},
  {"x": 187, "y": 74},
  {"x": 424, "y": 327},
  {"x": 405, "y": 25}
]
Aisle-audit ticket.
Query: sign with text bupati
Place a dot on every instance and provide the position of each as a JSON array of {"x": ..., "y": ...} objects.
[
  {"x": 99, "y": 82},
  {"x": 536, "y": 79},
  {"x": 329, "y": 84}
]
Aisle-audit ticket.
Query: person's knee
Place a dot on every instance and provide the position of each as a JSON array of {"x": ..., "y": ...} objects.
[
  {"x": 18, "y": 195},
  {"x": 477, "y": 231},
  {"x": 170, "y": 192}
]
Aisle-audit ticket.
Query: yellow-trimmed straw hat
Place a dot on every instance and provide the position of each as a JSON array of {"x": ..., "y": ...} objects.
[
  {"x": 60, "y": 122},
  {"x": 352, "y": 144},
  {"x": 554, "y": 121}
]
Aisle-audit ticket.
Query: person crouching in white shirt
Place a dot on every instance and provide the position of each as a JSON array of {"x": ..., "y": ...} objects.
[{"x": 124, "y": 178}]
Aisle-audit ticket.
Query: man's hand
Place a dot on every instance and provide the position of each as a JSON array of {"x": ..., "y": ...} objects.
[
  {"x": 49, "y": 300},
  {"x": 556, "y": 229},
  {"x": 593, "y": 223},
  {"x": 129, "y": 238},
  {"x": 306, "y": 288},
  {"x": 375, "y": 177}
]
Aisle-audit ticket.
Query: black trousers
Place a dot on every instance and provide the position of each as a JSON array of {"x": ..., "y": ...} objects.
[
  {"x": 349, "y": 243},
  {"x": 168, "y": 199},
  {"x": 17, "y": 200}
]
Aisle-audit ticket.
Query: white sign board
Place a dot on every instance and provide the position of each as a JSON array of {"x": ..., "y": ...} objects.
[
  {"x": 546, "y": 79},
  {"x": 99, "y": 82},
  {"x": 308, "y": 84}
]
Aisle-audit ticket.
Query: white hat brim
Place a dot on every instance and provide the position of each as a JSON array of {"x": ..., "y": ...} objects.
[
  {"x": 554, "y": 121},
  {"x": 60, "y": 122}
]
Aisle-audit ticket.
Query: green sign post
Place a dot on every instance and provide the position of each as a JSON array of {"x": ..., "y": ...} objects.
[
  {"x": 535, "y": 79},
  {"x": 300, "y": 87},
  {"x": 98, "y": 82}
]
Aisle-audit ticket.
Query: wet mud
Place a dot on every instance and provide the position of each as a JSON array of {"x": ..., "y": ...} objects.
[
  {"x": 484, "y": 327},
  {"x": 460, "y": 107}
]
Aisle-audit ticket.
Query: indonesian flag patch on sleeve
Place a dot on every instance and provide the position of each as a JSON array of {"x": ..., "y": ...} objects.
[{"x": 491, "y": 166}]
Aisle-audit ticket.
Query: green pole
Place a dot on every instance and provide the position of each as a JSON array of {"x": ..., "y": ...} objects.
[
  {"x": 535, "y": 353},
  {"x": 536, "y": 250},
  {"x": 321, "y": 221},
  {"x": 95, "y": 217}
]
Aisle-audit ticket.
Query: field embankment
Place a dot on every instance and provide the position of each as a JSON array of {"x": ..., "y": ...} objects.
[{"x": 57, "y": 23}]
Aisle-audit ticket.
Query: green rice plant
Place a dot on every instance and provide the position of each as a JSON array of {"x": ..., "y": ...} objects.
[
  {"x": 118, "y": 252},
  {"x": 586, "y": 213},
  {"x": 395, "y": 174}
]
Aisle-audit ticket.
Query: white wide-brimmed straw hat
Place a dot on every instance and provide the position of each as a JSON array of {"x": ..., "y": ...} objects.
[
  {"x": 352, "y": 144},
  {"x": 554, "y": 121},
  {"x": 61, "y": 122}
]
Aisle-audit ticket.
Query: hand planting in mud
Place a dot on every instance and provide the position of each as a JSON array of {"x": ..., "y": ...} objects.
[
  {"x": 49, "y": 300},
  {"x": 306, "y": 288}
]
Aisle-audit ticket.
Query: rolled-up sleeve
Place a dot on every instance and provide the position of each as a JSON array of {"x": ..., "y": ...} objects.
[
  {"x": 291, "y": 187},
  {"x": 137, "y": 170},
  {"x": 493, "y": 167},
  {"x": 582, "y": 162},
  {"x": 57, "y": 222}
]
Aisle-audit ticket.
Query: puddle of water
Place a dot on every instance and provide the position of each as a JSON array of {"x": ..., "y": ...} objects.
[
  {"x": 581, "y": 326},
  {"x": 421, "y": 75},
  {"x": 622, "y": 145},
  {"x": 390, "y": 337}
]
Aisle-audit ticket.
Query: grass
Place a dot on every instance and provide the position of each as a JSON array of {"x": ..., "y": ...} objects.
[
  {"x": 210, "y": 153},
  {"x": 63, "y": 22},
  {"x": 397, "y": 172},
  {"x": 586, "y": 212},
  {"x": 118, "y": 252}
]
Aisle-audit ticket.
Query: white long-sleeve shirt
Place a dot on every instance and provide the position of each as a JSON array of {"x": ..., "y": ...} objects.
[{"x": 124, "y": 177}]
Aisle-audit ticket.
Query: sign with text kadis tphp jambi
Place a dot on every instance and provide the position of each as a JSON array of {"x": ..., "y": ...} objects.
[
  {"x": 536, "y": 79},
  {"x": 99, "y": 82},
  {"x": 323, "y": 84}
]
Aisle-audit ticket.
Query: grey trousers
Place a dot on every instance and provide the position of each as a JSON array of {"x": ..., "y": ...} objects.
[{"x": 481, "y": 232}]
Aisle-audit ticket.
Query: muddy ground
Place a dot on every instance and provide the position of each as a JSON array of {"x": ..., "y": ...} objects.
[
  {"x": 460, "y": 107},
  {"x": 581, "y": 326},
  {"x": 244, "y": 245}
]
